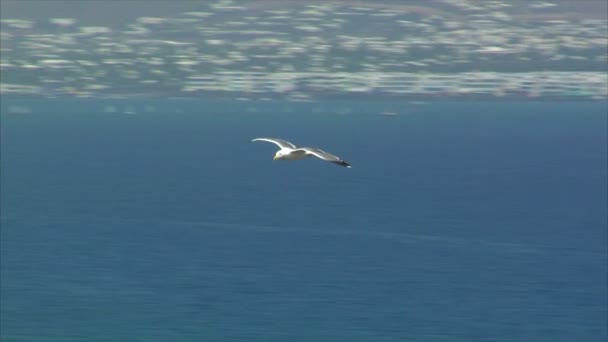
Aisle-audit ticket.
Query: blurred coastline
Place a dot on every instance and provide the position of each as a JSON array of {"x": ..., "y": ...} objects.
[{"x": 306, "y": 50}]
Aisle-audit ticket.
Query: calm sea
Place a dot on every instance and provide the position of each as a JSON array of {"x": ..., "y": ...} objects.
[{"x": 159, "y": 221}]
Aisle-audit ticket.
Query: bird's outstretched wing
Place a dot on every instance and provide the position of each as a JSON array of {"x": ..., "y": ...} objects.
[
  {"x": 279, "y": 142},
  {"x": 319, "y": 153}
]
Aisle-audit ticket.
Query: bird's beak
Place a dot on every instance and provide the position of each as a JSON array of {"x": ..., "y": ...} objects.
[{"x": 275, "y": 158}]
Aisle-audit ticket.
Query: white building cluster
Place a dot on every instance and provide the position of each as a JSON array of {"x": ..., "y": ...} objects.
[{"x": 443, "y": 48}]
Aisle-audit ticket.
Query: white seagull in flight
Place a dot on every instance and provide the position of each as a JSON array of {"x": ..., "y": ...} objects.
[{"x": 289, "y": 151}]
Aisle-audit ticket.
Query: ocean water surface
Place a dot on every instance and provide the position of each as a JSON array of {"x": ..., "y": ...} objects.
[{"x": 481, "y": 221}]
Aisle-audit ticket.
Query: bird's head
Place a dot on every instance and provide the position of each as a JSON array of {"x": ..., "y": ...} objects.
[{"x": 278, "y": 155}]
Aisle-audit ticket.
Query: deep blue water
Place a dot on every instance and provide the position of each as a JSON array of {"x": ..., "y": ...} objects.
[{"x": 458, "y": 222}]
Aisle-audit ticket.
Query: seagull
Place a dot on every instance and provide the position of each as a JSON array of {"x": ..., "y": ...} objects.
[{"x": 289, "y": 151}]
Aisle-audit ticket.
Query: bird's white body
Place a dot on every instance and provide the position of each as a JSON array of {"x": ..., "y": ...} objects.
[{"x": 290, "y": 154}]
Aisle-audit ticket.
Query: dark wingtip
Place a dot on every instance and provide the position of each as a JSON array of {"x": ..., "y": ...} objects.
[{"x": 342, "y": 163}]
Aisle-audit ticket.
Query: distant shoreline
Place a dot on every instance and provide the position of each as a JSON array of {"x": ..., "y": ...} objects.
[{"x": 272, "y": 97}]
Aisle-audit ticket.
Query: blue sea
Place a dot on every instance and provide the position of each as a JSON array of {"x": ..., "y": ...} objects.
[{"x": 159, "y": 220}]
